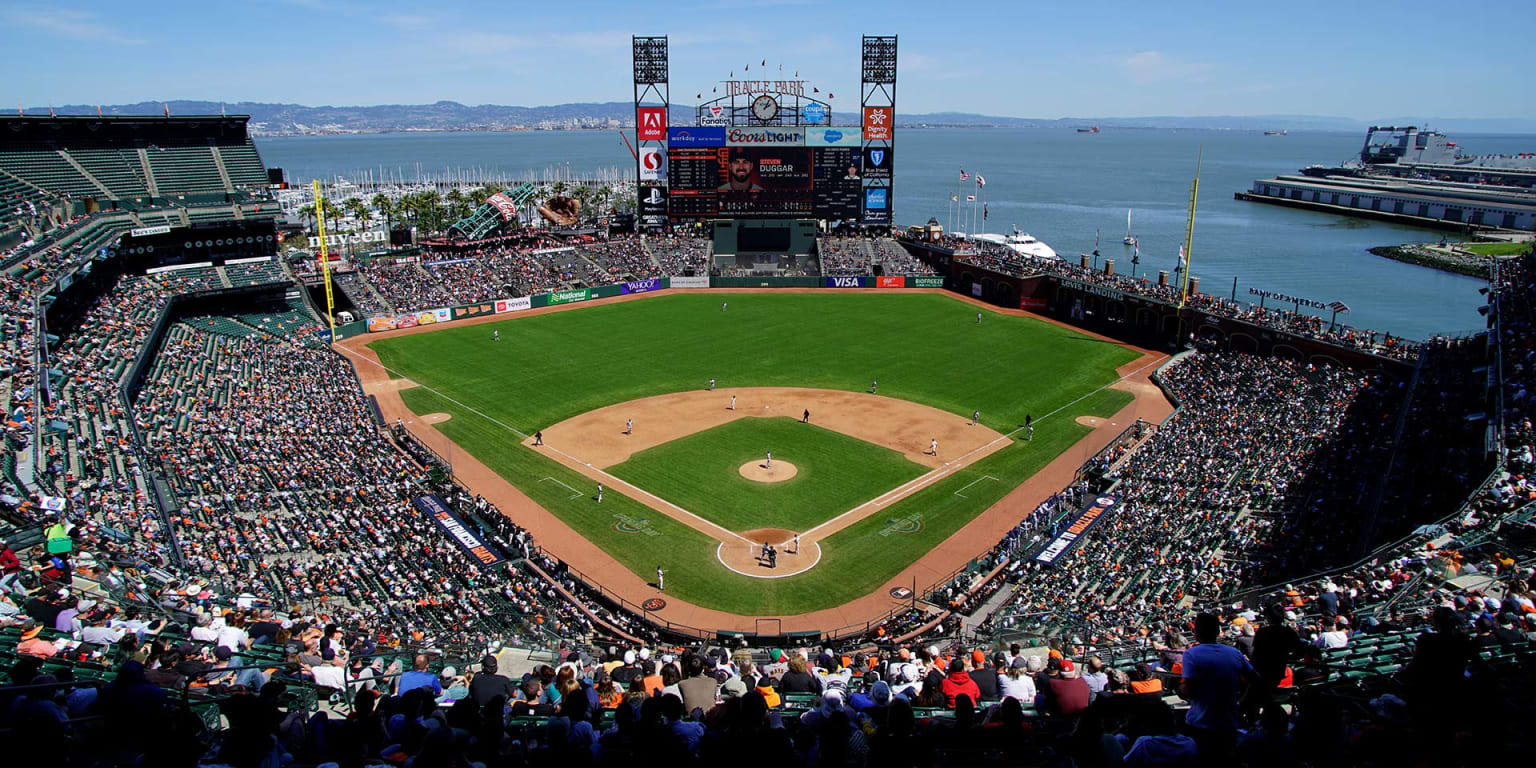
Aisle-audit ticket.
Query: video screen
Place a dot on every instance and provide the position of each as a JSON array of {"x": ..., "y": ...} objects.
[{"x": 742, "y": 182}]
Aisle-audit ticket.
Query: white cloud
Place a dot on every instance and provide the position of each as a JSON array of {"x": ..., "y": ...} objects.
[
  {"x": 67, "y": 22},
  {"x": 1155, "y": 66}
]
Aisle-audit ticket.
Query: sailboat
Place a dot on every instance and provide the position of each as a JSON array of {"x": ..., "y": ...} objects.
[{"x": 1129, "y": 240}]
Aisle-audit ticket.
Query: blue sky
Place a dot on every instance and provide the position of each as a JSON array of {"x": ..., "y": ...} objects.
[{"x": 1025, "y": 59}]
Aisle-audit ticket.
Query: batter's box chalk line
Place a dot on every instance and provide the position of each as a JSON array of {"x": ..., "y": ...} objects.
[
  {"x": 575, "y": 494},
  {"x": 973, "y": 482}
]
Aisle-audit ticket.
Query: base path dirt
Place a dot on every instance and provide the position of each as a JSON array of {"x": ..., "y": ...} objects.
[{"x": 563, "y": 542}]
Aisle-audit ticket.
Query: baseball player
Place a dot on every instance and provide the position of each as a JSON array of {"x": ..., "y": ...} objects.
[
  {"x": 711, "y": 385},
  {"x": 538, "y": 437},
  {"x": 933, "y": 447},
  {"x": 495, "y": 335},
  {"x": 629, "y": 426},
  {"x": 722, "y": 306},
  {"x": 978, "y": 318},
  {"x": 975, "y": 418},
  {"x": 599, "y": 493},
  {"x": 660, "y": 579},
  {"x": 769, "y": 465},
  {"x": 733, "y": 402},
  {"x": 797, "y": 543},
  {"x": 1029, "y": 432},
  {"x": 806, "y": 419},
  {"x": 874, "y": 387}
]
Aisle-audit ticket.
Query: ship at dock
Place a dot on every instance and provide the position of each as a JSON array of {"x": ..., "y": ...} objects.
[{"x": 1415, "y": 153}]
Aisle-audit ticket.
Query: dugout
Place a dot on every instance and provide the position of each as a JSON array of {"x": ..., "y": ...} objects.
[{"x": 763, "y": 246}]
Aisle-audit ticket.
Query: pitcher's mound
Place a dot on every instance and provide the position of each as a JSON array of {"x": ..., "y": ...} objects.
[
  {"x": 778, "y": 473},
  {"x": 436, "y": 418}
]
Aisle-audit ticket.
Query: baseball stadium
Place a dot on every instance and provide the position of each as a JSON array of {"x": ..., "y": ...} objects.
[{"x": 464, "y": 483}]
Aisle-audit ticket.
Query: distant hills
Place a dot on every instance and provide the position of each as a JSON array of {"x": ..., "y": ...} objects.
[{"x": 291, "y": 119}]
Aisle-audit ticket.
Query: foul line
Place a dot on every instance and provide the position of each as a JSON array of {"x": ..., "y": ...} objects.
[
  {"x": 973, "y": 482},
  {"x": 575, "y": 494},
  {"x": 912, "y": 486},
  {"x": 610, "y": 479}
]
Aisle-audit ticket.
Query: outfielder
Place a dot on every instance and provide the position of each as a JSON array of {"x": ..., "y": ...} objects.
[
  {"x": 711, "y": 385},
  {"x": 599, "y": 493},
  {"x": 495, "y": 335}
]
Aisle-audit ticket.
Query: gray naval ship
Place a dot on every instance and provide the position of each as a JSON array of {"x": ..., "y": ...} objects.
[{"x": 1408, "y": 151}]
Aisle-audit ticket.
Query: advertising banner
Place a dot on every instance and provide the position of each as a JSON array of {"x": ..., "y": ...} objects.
[
  {"x": 443, "y": 315},
  {"x": 1033, "y": 304},
  {"x": 653, "y": 203},
  {"x": 893, "y": 281},
  {"x": 715, "y": 115},
  {"x": 833, "y": 137},
  {"x": 813, "y": 113},
  {"x": 376, "y": 324},
  {"x": 406, "y": 321},
  {"x": 518, "y": 304},
  {"x": 695, "y": 281},
  {"x": 928, "y": 282},
  {"x": 765, "y": 137},
  {"x": 877, "y": 205},
  {"x": 474, "y": 310},
  {"x": 696, "y": 136},
  {"x": 504, "y": 206},
  {"x": 851, "y": 281},
  {"x": 877, "y": 162},
  {"x": 651, "y": 123},
  {"x": 653, "y": 164},
  {"x": 878, "y": 123},
  {"x": 147, "y": 231},
  {"x": 1096, "y": 510},
  {"x": 434, "y": 507},
  {"x": 641, "y": 286},
  {"x": 570, "y": 297},
  {"x": 428, "y": 317},
  {"x": 976, "y": 290}
]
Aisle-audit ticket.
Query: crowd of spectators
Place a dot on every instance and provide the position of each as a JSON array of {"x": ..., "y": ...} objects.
[
  {"x": 1000, "y": 258},
  {"x": 843, "y": 255},
  {"x": 680, "y": 255}
]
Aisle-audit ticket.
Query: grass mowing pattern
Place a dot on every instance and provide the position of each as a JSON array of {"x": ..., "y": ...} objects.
[
  {"x": 699, "y": 473},
  {"x": 925, "y": 348}
]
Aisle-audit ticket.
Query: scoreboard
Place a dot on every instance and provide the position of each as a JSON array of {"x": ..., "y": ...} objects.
[{"x": 794, "y": 176}]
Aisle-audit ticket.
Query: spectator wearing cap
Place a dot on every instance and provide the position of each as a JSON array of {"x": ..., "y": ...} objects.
[
  {"x": 985, "y": 676},
  {"x": 959, "y": 681},
  {"x": 626, "y": 671},
  {"x": 489, "y": 684},
  {"x": 1065, "y": 695},
  {"x": 1017, "y": 682}
]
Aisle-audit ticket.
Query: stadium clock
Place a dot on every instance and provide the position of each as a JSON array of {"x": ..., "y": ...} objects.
[{"x": 765, "y": 108}]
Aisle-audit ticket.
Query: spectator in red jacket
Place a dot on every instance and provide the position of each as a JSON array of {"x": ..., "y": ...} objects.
[
  {"x": 10, "y": 568},
  {"x": 959, "y": 681}
]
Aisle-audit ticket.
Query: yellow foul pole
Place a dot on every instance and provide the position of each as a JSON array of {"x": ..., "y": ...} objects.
[
  {"x": 1189, "y": 231},
  {"x": 325, "y": 260}
]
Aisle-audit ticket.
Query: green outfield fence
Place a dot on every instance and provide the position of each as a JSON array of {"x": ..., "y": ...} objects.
[{"x": 437, "y": 316}]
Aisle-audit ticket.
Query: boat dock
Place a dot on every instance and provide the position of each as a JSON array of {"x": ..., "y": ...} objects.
[{"x": 1449, "y": 206}]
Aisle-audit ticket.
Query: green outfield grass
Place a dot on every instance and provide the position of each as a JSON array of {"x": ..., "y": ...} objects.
[
  {"x": 700, "y": 473},
  {"x": 924, "y": 347}
]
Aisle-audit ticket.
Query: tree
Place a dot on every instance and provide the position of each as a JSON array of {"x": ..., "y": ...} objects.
[{"x": 386, "y": 209}]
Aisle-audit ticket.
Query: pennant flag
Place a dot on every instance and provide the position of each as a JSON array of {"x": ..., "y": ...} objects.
[
  {"x": 830, "y": 95},
  {"x": 970, "y": 199},
  {"x": 167, "y": 109},
  {"x": 814, "y": 89},
  {"x": 980, "y": 180},
  {"x": 954, "y": 198},
  {"x": 765, "y": 62},
  {"x": 698, "y": 95}
]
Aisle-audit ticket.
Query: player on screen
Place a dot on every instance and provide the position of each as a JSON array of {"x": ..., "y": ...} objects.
[{"x": 741, "y": 173}]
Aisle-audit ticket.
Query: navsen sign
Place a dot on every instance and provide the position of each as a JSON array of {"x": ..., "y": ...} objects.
[
  {"x": 1089, "y": 517},
  {"x": 434, "y": 507}
]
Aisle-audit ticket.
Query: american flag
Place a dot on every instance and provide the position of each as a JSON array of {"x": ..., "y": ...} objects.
[{"x": 964, "y": 175}]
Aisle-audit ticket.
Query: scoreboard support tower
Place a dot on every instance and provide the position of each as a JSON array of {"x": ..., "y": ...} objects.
[
  {"x": 651, "y": 89},
  {"x": 877, "y": 102}
]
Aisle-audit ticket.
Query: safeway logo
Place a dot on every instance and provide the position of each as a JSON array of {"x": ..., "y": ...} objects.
[
  {"x": 651, "y": 123},
  {"x": 652, "y": 164}
]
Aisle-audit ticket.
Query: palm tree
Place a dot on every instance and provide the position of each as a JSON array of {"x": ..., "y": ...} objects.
[
  {"x": 357, "y": 209},
  {"x": 385, "y": 208}
]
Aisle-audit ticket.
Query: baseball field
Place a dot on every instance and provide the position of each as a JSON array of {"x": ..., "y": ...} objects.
[{"x": 856, "y": 491}]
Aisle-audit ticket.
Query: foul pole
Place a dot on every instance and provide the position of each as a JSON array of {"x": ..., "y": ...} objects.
[
  {"x": 325, "y": 261},
  {"x": 1189, "y": 230}
]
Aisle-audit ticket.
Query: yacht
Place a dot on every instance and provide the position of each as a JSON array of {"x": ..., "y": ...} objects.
[{"x": 1020, "y": 242}]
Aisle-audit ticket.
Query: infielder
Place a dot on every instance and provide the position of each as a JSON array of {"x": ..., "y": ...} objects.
[
  {"x": 797, "y": 543},
  {"x": 806, "y": 419},
  {"x": 874, "y": 387},
  {"x": 660, "y": 579},
  {"x": 711, "y": 385},
  {"x": 933, "y": 446},
  {"x": 975, "y": 417},
  {"x": 769, "y": 465},
  {"x": 538, "y": 437},
  {"x": 629, "y": 426},
  {"x": 733, "y": 402}
]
